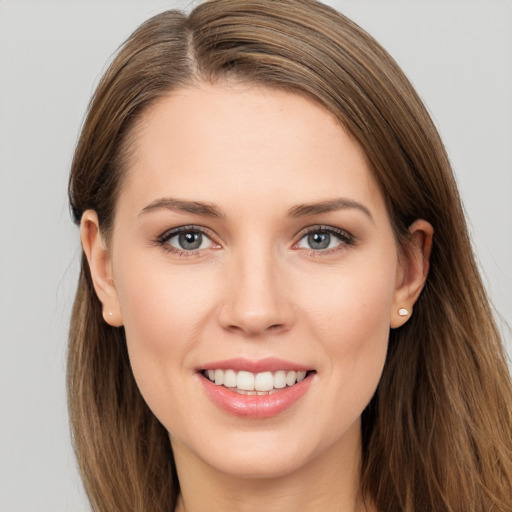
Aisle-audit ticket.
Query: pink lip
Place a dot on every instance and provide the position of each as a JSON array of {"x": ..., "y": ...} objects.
[
  {"x": 269, "y": 364},
  {"x": 255, "y": 406}
]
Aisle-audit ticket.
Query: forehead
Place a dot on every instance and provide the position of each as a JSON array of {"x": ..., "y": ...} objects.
[{"x": 221, "y": 141}]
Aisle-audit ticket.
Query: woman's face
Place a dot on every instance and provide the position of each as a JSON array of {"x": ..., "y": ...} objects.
[{"x": 251, "y": 243}]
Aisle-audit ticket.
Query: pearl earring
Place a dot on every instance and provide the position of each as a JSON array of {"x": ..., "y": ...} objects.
[
  {"x": 110, "y": 313},
  {"x": 403, "y": 312}
]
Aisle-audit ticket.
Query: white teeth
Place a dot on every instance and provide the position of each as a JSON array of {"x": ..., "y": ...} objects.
[
  {"x": 230, "y": 380},
  {"x": 244, "y": 392},
  {"x": 248, "y": 383},
  {"x": 245, "y": 381},
  {"x": 301, "y": 376},
  {"x": 291, "y": 377},
  {"x": 280, "y": 379},
  {"x": 264, "y": 381}
]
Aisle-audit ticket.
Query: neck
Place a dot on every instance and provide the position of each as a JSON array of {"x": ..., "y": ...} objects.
[{"x": 330, "y": 482}]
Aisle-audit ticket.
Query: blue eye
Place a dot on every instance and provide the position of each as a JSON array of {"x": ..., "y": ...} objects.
[
  {"x": 321, "y": 239},
  {"x": 185, "y": 239}
]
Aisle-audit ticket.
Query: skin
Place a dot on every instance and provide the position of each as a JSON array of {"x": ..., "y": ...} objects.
[{"x": 255, "y": 289}]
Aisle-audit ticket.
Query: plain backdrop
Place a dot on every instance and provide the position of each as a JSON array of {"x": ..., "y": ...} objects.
[{"x": 458, "y": 54}]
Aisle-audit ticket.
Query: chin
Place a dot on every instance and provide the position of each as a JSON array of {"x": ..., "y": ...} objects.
[
  {"x": 273, "y": 450},
  {"x": 260, "y": 464}
]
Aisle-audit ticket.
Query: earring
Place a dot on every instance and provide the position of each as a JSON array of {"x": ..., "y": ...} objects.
[
  {"x": 110, "y": 313},
  {"x": 403, "y": 312}
]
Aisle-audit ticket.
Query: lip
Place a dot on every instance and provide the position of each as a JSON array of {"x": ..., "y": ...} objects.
[
  {"x": 270, "y": 364},
  {"x": 255, "y": 406}
]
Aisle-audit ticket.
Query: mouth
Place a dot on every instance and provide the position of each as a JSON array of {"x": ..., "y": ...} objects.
[
  {"x": 255, "y": 384},
  {"x": 255, "y": 389}
]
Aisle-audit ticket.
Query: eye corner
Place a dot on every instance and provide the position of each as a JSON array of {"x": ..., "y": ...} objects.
[
  {"x": 175, "y": 241},
  {"x": 330, "y": 239}
]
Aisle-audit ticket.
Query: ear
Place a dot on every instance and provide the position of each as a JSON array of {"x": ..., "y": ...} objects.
[
  {"x": 100, "y": 265},
  {"x": 412, "y": 272}
]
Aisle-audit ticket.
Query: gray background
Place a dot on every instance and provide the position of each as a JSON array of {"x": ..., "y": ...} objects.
[{"x": 457, "y": 53}]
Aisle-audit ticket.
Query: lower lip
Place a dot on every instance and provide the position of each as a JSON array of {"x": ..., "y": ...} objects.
[{"x": 255, "y": 406}]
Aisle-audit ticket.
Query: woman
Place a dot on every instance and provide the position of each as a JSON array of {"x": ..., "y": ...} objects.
[{"x": 278, "y": 305}]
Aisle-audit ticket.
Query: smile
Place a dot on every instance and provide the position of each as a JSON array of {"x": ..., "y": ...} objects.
[
  {"x": 248, "y": 383},
  {"x": 255, "y": 389}
]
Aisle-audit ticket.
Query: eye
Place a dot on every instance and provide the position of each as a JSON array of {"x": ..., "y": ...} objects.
[
  {"x": 185, "y": 239},
  {"x": 324, "y": 238}
]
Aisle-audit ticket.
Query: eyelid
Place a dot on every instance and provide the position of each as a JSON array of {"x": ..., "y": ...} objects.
[
  {"x": 169, "y": 233},
  {"x": 346, "y": 238},
  {"x": 162, "y": 239}
]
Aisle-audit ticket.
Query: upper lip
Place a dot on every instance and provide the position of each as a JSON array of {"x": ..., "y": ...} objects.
[{"x": 269, "y": 364}]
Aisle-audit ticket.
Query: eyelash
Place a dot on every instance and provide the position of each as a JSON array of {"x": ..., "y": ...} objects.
[
  {"x": 164, "y": 238},
  {"x": 345, "y": 238}
]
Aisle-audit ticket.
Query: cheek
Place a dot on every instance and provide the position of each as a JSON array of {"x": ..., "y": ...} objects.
[
  {"x": 149, "y": 336},
  {"x": 353, "y": 320},
  {"x": 161, "y": 304},
  {"x": 353, "y": 303},
  {"x": 163, "y": 311}
]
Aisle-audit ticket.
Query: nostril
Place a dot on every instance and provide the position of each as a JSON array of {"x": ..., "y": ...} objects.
[
  {"x": 255, "y": 314},
  {"x": 256, "y": 329}
]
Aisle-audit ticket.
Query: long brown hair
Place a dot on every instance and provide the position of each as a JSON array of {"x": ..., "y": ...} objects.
[{"x": 437, "y": 435}]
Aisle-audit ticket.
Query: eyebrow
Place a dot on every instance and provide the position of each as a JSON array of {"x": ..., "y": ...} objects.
[
  {"x": 330, "y": 205},
  {"x": 211, "y": 210},
  {"x": 182, "y": 206}
]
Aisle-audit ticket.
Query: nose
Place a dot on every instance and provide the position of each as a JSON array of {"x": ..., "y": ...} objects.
[{"x": 257, "y": 301}]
